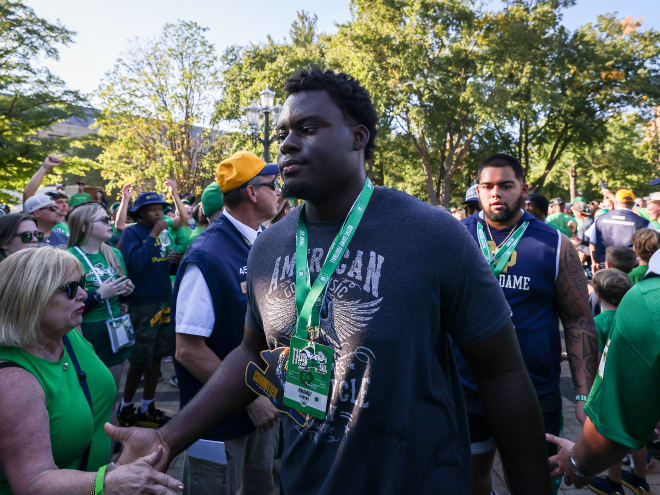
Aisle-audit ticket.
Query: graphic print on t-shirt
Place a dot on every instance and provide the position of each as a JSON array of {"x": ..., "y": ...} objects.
[
  {"x": 350, "y": 302},
  {"x": 104, "y": 272}
]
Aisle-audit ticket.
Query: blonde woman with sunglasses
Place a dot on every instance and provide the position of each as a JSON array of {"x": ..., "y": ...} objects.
[
  {"x": 56, "y": 393},
  {"x": 90, "y": 227}
]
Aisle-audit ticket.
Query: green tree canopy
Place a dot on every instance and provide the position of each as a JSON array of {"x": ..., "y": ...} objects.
[
  {"x": 157, "y": 103},
  {"x": 31, "y": 97}
]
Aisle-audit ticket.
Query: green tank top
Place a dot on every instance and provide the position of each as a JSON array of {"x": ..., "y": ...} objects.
[{"x": 72, "y": 426}]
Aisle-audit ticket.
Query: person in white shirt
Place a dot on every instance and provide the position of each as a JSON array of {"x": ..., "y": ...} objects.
[{"x": 209, "y": 314}]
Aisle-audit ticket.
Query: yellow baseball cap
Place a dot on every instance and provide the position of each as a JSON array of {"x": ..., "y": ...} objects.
[
  {"x": 239, "y": 168},
  {"x": 624, "y": 195}
]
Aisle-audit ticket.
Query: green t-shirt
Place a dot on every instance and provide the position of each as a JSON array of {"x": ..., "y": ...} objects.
[
  {"x": 79, "y": 198},
  {"x": 178, "y": 237},
  {"x": 72, "y": 425},
  {"x": 193, "y": 235},
  {"x": 600, "y": 212},
  {"x": 603, "y": 323},
  {"x": 637, "y": 273},
  {"x": 644, "y": 213},
  {"x": 624, "y": 403},
  {"x": 105, "y": 271},
  {"x": 115, "y": 237},
  {"x": 62, "y": 228},
  {"x": 561, "y": 222}
]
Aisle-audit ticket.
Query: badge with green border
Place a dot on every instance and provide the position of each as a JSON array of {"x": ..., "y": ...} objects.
[{"x": 308, "y": 377}]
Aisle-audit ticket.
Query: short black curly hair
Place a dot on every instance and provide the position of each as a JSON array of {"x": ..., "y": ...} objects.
[{"x": 352, "y": 99}]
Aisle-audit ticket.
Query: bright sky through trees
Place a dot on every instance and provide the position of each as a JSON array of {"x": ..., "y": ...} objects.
[{"x": 105, "y": 28}]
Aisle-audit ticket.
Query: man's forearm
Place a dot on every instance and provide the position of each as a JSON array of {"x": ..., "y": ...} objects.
[
  {"x": 36, "y": 180},
  {"x": 181, "y": 213},
  {"x": 593, "y": 452},
  {"x": 200, "y": 361},
  {"x": 582, "y": 352},
  {"x": 572, "y": 302},
  {"x": 224, "y": 394},
  {"x": 514, "y": 417},
  {"x": 120, "y": 219}
]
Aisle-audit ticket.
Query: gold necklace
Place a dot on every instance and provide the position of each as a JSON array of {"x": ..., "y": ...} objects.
[{"x": 505, "y": 239}]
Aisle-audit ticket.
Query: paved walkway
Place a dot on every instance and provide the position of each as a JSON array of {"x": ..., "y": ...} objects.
[{"x": 167, "y": 399}]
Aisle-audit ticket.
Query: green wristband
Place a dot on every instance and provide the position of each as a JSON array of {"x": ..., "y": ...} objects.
[
  {"x": 582, "y": 398},
  {"x": 100, "y": 476}
]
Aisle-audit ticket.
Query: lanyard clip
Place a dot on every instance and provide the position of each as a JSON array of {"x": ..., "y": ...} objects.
[{"x": 313, "y": 333}]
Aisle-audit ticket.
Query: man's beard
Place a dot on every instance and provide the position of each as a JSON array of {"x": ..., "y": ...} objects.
[{"x": 506, "y": 214}]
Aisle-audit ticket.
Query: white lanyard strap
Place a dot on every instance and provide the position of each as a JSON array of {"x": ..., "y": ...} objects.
[{"x": 96, "y": 274}]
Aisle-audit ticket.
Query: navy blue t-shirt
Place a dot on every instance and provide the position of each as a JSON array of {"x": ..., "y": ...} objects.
[
  {"x": 410, "y": 277},
  {"x": 146, "y": 264}
]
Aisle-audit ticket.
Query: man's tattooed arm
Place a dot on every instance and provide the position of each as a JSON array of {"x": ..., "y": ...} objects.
[{"x": 572, "y": 301}]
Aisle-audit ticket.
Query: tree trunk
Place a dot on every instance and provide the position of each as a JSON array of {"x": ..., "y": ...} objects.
[
  {"x": 428, "y": 174},
  {"x": 572, "y": 181}
]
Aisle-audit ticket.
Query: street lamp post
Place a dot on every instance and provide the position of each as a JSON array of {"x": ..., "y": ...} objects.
[{"x": 254, "y": 112}]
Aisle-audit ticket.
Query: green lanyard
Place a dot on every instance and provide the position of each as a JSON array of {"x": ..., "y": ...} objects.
[
  {"x": 308, "y": 302},
  {"x": 501, "y": 257}
]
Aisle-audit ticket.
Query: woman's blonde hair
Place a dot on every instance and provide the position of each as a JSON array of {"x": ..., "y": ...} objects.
[
  {"x": 83, "y": 216},
  {"x": 28, "y": 280}
]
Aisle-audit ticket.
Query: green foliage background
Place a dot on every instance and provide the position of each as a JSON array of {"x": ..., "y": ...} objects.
[{"x": 452, "y": 83}]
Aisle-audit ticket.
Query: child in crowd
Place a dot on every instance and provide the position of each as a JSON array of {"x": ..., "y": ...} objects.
[
  {"x": 645, "y": 243},
  {"x": 610, "y": 286},
  {"x": 620, "y": 257},
  {"x": 148, "y": 265}
]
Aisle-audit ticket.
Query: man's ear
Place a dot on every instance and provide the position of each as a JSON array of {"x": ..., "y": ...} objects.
[
  {"x": 251, "y": 192},
  {"x": 361, "y": 137},
  {"x": 525, "y": 191}
]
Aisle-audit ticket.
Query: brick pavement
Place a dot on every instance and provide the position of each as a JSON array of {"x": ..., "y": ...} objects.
[{"x": 167, "y": 399}]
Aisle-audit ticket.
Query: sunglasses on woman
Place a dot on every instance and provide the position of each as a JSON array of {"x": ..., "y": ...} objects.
[
  {"x": 26, "y": 237},
  {"x": 105, "y": 220},
  {"x": 71, "y": 288}
]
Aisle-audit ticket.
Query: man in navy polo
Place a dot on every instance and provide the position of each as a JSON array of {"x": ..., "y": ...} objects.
[
  {"x": 209, "y": 304},
  {"x": 614, "y": 228}
]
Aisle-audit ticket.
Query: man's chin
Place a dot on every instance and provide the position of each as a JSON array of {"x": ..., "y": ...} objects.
[
  {"x": 295, "y": 189},
  {"x": 500, "y": 216}
]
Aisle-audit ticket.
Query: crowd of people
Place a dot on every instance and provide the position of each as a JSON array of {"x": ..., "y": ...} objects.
[{"x": 366, "y": 340}]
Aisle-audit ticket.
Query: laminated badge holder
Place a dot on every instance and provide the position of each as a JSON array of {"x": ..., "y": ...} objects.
[
  {"x": 297, "y": 378},
  {"x": 120, "y": 330}
]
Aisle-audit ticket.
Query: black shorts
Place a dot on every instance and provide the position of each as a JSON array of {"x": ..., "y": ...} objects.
[{"x": 481, "y": 439}]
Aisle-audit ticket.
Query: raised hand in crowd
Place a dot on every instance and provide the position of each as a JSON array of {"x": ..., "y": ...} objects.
[
  {"x": 31, "y": 187},
  {"x": 172, "y": 186},
  {"x": 120, "y": 219},
  {"x": 181, "y": 213},
  {"x": 51, "y": 161}
]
